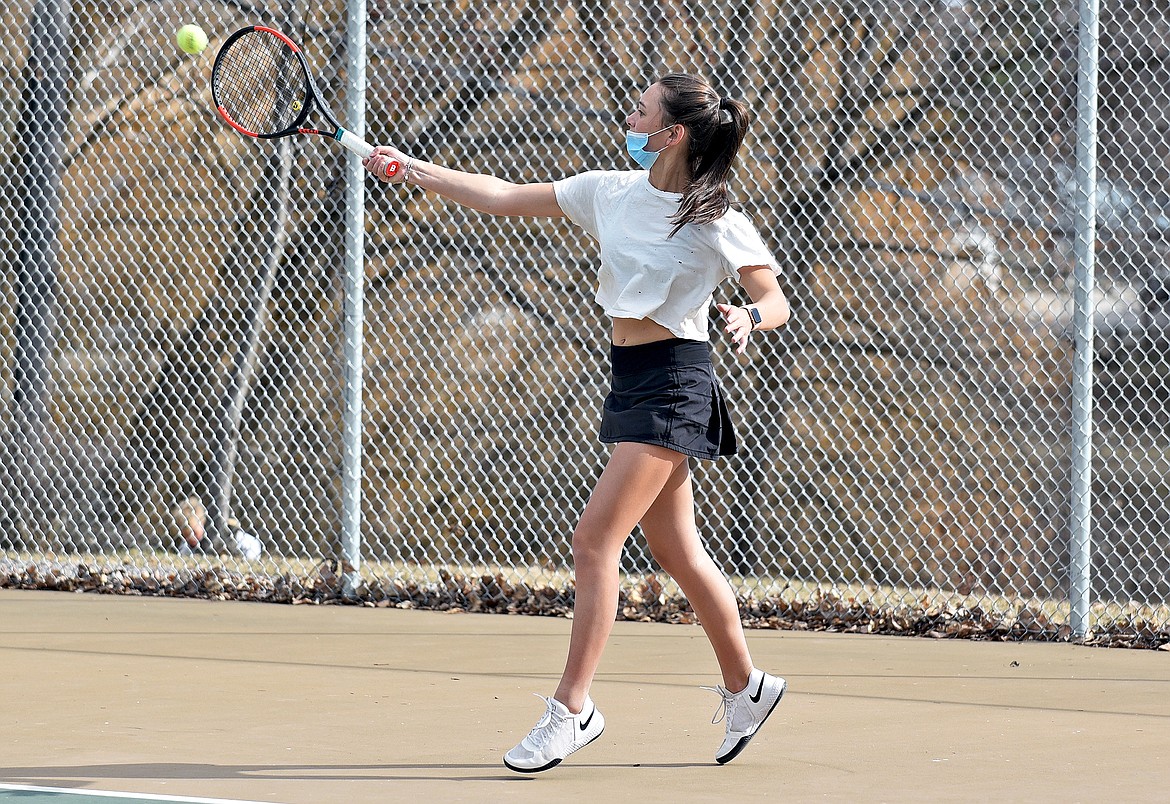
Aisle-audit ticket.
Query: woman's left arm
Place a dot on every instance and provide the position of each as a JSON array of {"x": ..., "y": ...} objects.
[{"x": 769, "y": 308}]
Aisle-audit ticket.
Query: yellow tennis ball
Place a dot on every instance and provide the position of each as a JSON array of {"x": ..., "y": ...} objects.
[{"x": 191, "y": 39}]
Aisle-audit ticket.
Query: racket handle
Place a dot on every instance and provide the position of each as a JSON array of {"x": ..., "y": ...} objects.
[
  {"x": 353, "y": 142},
  {"x": 363, "y": 149}
]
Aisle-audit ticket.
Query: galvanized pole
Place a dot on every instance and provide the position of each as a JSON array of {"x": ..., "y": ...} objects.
[
  {"x": 1080, "y": 543},
  {"x": 351, "y": 460},
  {"x": 38, "y": 150}
]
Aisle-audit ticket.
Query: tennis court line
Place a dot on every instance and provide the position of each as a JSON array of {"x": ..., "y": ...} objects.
[{"x": 73, "y": 791}]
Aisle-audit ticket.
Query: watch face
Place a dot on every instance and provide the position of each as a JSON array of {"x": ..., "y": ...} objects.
[{"x": 754, "y": 312}]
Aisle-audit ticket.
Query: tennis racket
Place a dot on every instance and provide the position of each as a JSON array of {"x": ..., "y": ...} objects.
[{"x": 261, "y": 86}]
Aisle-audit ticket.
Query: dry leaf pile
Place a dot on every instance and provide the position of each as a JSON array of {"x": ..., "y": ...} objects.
[{"x": 643, "y": 601}]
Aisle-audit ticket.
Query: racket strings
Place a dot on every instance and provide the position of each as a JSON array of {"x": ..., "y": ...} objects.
[{"x": 261, "y": 84}]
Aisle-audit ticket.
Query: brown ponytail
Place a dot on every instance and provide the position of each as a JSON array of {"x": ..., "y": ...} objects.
[{"x": 717, "y": 127}]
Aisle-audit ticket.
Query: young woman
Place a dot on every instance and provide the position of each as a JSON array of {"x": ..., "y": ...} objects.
[{"x": 667, "y": 237}]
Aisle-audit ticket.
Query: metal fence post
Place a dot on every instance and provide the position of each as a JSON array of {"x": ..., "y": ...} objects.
[
  {"x": 1080, "y": 543},
  {"x": 351, "y": 512}
]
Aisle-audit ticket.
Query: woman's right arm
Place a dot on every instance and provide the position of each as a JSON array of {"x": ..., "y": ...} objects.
[{"x": 475, "y": 190}]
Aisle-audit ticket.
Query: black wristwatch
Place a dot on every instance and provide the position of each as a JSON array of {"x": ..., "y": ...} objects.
[{"x": 754, "y": 315}]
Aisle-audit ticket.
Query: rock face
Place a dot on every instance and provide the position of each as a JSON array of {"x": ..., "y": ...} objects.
[{"x": 909, "y": 429}]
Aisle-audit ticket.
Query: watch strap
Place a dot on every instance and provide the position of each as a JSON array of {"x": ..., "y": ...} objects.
[{"x": 754, "y": 314}]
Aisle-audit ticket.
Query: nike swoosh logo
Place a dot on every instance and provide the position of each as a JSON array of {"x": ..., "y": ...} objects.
[
  {"x": 585, "y": 723},
  {"x": 756, "y": 698}
]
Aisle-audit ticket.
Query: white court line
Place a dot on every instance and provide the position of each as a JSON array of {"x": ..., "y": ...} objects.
[{"x": 73, "y": 791}]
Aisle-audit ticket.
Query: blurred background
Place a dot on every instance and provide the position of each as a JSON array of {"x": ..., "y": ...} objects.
[{"x": 904, "y": 441}]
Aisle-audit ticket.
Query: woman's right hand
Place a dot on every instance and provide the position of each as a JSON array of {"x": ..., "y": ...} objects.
[{"x": 381, "y": 159}]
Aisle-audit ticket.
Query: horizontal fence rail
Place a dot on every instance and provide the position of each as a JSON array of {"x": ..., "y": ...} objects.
[{"x": 907, "y": 450}]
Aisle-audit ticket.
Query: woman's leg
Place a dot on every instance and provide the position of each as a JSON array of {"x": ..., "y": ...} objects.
[
  {"x": 633, "y": 478},
  {"x": 670, "y": 530}
]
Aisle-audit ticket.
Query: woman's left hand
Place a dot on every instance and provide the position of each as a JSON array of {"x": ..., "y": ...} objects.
[{"x": 739, "y": 325}]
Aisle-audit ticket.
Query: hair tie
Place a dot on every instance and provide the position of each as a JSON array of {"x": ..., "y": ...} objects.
[{"x": 725, "y": 118}]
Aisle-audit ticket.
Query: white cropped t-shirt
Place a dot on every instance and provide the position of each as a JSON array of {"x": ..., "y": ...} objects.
[{"x": 644, "y": 272}]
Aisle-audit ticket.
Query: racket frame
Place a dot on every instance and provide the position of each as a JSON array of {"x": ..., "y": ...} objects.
[{"x": 312, "y": 99}]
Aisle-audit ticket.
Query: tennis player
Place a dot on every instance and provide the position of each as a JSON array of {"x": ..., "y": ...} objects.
[{"x": 668, "y": 237}]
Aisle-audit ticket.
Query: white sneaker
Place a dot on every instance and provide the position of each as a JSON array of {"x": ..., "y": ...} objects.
[
  {"x": 557, "y": 734},
  {"x": 746, "y": 711}
]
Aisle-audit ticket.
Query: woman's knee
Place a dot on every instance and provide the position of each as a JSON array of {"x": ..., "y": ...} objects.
[
  {"x": 679, "y": 564},
  {"x": 592, "y": 549}
]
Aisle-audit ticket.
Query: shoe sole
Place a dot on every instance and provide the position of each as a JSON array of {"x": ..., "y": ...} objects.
[
  {"x": 742, "y": 744},
  {"x": 555, "y": 762}
]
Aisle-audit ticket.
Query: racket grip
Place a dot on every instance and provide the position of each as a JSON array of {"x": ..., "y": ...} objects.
[{"x": 353, "y": 142}]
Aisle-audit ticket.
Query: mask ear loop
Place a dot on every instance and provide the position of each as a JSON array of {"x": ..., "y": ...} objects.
[
  {"x": 667, "y": 128},
  {"x": 679, "y": 141}
]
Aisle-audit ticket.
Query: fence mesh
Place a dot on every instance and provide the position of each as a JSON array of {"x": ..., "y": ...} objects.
[{"x": 173, "y": 342}]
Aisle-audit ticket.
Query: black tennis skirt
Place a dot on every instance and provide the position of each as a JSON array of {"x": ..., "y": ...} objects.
[{"x": 665, "y": 393}]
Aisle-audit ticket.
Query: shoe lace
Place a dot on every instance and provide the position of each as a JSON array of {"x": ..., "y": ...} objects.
[
  {"x": 544, "y": 728},
  {"x": 726, "y": 705}
]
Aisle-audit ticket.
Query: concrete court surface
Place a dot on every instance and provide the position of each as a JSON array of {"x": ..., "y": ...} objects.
[{"x": 305, "y": 704}]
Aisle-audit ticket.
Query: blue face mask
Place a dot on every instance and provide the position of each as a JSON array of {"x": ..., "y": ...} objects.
[{"x": 636, "y": 148}]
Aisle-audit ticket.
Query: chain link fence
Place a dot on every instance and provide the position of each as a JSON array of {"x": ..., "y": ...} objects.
[{"x": 172, "y": 335}]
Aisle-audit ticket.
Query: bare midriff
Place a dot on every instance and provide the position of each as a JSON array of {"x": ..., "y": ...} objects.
[{"x": 634, "y": 331}]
